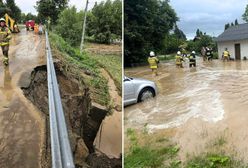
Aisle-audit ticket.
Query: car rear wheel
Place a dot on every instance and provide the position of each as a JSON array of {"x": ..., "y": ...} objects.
[{"x": 146, "y": 94}]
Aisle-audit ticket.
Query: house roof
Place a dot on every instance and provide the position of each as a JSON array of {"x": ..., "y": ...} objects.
[{"x": 238, "y": 32}]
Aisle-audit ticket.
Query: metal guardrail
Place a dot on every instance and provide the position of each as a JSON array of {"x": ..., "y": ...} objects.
[{"x": 60, "y": 145}]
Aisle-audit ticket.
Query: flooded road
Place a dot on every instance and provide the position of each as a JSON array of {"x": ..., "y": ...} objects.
[
  {"x": 195, "y": 106},
  {"x": 21, "y": 124}
]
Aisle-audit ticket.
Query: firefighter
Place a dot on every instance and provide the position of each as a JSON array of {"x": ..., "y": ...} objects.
[
  {"x": 209, "y": 54},
  {"x": 192, "y": 59},
  {"x": 153, "y": 62},
  {"x": 40, "y": 29},
  {"x": 5, "y": 36},
  {"x": 226, "y": 55},
  {"x": 184, "y": 52},
  {"x": 179, "y": 60},
  {"x": 36, "y": 29}
]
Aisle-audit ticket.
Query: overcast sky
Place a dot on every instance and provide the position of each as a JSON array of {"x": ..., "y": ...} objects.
[
  {"x": 208, "y": 15},
  {"x": 28, "y": 5}
]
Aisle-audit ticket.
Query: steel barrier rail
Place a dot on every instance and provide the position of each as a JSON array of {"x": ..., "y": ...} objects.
[{"x": 60, "y": 145}]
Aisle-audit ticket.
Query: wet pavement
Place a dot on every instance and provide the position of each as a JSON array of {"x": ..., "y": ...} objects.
[
  {"x": 21, "y": 124},
  {"x": 196, "y": 105}
]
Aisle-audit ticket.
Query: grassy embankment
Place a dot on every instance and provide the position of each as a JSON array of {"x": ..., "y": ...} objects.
[
  {"x": 112, "y": 64},
  {"x": 82, "y": 66},
  {"x": 147, "y": 152}
]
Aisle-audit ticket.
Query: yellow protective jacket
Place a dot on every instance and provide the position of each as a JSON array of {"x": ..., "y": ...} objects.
[
  {"x": 192, "y": 58},
  {"x": 5, "y": 36},
  {"x": 179, "y": 59},
  {"x": 226, "y": 54},
  {"x": 153, "y": 61}
]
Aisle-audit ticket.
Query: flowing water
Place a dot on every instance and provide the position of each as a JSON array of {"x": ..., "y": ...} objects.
[
  {"x": 21, "y": 126},
  {"x": 197, "y": 104}
]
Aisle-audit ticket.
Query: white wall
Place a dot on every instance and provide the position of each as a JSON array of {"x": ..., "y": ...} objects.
[{"x": 230, "y": 45}]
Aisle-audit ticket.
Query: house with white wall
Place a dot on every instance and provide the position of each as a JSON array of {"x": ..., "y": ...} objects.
[{"x": 235, "y": 39}]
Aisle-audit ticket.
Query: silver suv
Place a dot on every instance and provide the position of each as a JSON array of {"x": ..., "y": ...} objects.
[{"x": 138, "y": 90}]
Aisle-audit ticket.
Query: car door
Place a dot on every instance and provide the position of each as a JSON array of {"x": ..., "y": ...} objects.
[{"x": 129, "y": 94}]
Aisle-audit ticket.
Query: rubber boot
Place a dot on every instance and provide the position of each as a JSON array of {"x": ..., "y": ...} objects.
[{"x": 6, "y": 61}]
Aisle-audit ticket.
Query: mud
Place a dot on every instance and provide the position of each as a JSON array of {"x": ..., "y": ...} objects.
[
  {"x": 24, "y": 126},
  {"x": 110, "y": 131},
  {"x": 196, "y": 105},
  {"x": 83, "y": 117},
  {"x": 21, "y": 124},
  {"x": 113, "y": 49}
]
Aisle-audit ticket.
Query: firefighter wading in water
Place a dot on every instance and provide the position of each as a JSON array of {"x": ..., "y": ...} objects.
[
  {"x": 192, "y": 59},
  {"x": 5, "y": 36},
  {"x": 153, "y": 62},
  {"x": 226, "y": 55},
  {"x": 179, "y": 60}
]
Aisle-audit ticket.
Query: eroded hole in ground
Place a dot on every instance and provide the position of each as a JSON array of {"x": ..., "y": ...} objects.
[{"x": 83, "y": 118}]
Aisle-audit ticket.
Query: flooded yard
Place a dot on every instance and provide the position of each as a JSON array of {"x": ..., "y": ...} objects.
[{"x": 195, "y": 106}]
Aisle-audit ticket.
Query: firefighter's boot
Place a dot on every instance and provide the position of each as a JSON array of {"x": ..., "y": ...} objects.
[{"x": 6, "y": 61}]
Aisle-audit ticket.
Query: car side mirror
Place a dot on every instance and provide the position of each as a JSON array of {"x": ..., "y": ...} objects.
[{"x": 125, "y": 80}]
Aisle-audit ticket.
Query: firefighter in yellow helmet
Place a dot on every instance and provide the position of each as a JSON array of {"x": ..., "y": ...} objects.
[
  {"x": 153, "y": 62},
  {"x": 5, "y": 36},
  {"x": 179, "y": 60},
  {"x": 226, "y": 55}
]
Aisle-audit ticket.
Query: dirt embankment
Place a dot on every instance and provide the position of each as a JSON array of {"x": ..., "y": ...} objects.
[
  {"x": 83, "y": 117},
  {"x": 103, "y": 49}
]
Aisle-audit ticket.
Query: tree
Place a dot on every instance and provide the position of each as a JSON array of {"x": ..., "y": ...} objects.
[
  {"x": 69, "y": 25},
  {"x": 236, "y": 22},
  {"x": 146, "y": 27},
  {"x": 172, "y": 43},
  {"x": 232, "y": 24},
  {"x": 29, "y": 16},
  {"x": 204, "y": 41},
  {"x": 227, "y": 26},
  {"x": 15, "y": 10},
  {"x": 105, "y": 21},
  {"x": 245, "y": 15},
  {"x": 179, "y": 33},
  {"x": 50, "y": 8},
  {"x": 199, "y": 33}
]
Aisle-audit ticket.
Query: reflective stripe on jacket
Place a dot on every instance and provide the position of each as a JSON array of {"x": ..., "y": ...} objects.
[
  {"x": 153, "y": 61},
  {"x": 192, "y": 59},
  {"x": 5, "y": 36},
  {"x": 179, "y": 59}
]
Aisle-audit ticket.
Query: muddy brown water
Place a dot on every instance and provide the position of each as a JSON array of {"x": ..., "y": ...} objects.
[
  {"x": 196, "y": 106},
  {"x": 21, "y": 124}
]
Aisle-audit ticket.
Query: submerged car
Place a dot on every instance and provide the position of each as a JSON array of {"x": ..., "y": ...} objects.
[{"x": 138, "y": 90}]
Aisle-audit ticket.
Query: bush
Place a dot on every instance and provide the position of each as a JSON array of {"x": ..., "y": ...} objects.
[
  {"x": 69, "y": 26},
  {"x": 75, "y": 60}
]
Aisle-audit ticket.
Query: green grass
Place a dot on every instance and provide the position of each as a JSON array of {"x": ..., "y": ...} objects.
[
  {"x": 113, "y": 64},
  {"x": 166, "y": 57},
  {"x": 147, "y": 156},
  {"x": 143, "y": 157},
  {"x": 215, "y": 160},
  {"x": 76, "y": 64},
  {"x": 145, "y": 152},
  {"x": 215, "y": 55}
]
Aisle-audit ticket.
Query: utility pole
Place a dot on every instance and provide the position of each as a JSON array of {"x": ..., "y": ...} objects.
[{"x": 84, "y": 26}]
